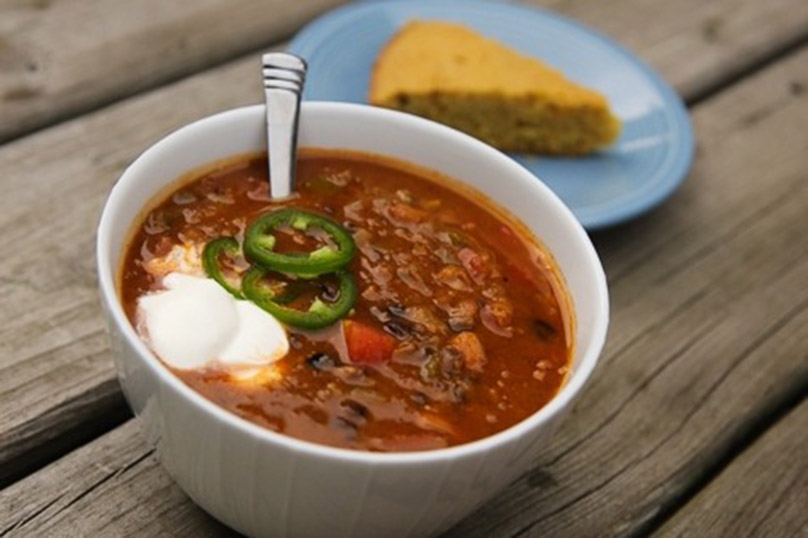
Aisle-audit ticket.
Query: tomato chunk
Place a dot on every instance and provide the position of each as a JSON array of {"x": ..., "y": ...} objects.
[{"x": 367, "y": 345}]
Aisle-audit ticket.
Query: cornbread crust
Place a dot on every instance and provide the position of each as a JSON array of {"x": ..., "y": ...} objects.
[{"x": 453, "y": 75}]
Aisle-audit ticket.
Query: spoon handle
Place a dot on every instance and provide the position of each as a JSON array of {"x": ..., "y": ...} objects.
[{"x": 284, "y": 76}]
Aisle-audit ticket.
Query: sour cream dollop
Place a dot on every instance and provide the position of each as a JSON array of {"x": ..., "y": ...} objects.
[{"x": 195, "y": 323}]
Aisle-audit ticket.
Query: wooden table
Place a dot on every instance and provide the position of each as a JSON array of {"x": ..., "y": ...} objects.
[{"x": 695, "y": 422}]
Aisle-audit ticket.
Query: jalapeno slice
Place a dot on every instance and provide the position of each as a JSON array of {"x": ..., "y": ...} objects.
[
  {"x": 320, "y": 314},
  {"x": 259, "y": 244},
  {"x": 210, "y": 262}
]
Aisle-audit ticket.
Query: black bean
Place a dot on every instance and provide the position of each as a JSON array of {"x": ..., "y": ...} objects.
[
  {"x": 320, "y": 361},
  {"x": 544, "y": 330},
  {"x": 356, "y": 408},
  {"x": 397, "y": 329},
  {"x": 397, "y": 310},
  {"x": 419, "y": 398},
  {"x": 346, "y": 426},
  {"x": 330, "y": 291}
]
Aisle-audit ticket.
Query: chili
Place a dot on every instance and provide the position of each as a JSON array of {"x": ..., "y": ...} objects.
[
  {"x": 259, "y": 244},
  {"x": 319, "y": 314},
  {"x": 210, "y": 262}
]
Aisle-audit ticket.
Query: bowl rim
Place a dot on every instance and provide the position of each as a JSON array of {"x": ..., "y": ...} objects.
[{"x": 563, "y": 398}]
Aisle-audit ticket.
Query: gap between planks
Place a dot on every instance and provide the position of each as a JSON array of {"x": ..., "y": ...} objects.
[{"x": 763, "y": 492}]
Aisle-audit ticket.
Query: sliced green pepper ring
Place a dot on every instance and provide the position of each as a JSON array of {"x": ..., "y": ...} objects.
[
  {"x": 320, "y": 314},
  {"x": 259, "y": 244},
  {"x": 210, "y": 262}
]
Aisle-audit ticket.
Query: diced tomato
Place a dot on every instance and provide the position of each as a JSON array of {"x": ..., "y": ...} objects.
[{"x": 367, "y": 345}]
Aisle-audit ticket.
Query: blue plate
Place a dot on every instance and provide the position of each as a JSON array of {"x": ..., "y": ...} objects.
[{"x": 645, "y": 166}]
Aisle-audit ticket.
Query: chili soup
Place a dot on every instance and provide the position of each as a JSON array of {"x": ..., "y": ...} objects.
[{"x": 390, "y": 309}]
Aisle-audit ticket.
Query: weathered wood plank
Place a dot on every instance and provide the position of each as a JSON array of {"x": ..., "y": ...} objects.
[
  {"x": 697, "y": 46},
  {"x": 58, "y": 59},
  {"x": 120, "y": 469},
  {"x": 711, "y": 348},
  {"x": 54, "y": 357},
  {"x": 763, "y": 492}
]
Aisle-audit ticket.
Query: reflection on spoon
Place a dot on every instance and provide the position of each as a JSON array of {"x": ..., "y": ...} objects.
[{"x": 284, "y": 75}]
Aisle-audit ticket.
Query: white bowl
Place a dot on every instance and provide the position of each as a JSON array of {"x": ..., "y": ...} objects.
[{"x": 263, "y": 483}]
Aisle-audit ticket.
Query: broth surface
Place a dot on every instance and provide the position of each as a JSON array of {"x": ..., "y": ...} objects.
[{"x": 467, "y": 300}]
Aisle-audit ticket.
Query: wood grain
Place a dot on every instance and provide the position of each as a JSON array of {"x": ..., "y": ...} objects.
[
  {"x": 62, "y": 58},
  {"x": 708, "y": 342},
  {"x": 763, "y": 492},
  {"x": 698, "y": 46},
  {"x": 54, "y": 357},
  {"x": 119, "y": 468}
]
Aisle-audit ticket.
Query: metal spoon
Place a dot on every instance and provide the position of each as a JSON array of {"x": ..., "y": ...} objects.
[{"x": 284, "y": 76}]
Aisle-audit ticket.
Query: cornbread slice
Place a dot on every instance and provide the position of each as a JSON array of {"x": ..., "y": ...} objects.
[{"x": 453, "y": 75}]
